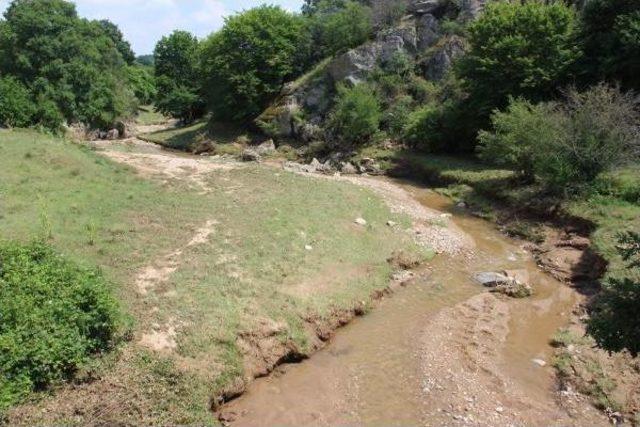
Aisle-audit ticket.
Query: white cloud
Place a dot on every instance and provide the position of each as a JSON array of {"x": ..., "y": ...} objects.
[{"x": 144, "y": 22}]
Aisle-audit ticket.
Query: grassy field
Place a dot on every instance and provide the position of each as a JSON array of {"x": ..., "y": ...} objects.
[{"x": 282, "y": 248}]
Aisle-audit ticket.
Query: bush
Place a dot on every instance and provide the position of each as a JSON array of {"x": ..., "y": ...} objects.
[
  {"x": 396, "y": 117},
  {"x": 339, "y": 25},
  {"x": 518, "y": 50},
  {"x": 53, "y": 316},
  {"x": 250, "y": 58},
  {"x": 567, "y": 145},
  {"x": 16, "y": 106},
  {"x": 519, "y": 134},
  {"x": 614, "y": 322},
  {"x": 356, "y": 115}
]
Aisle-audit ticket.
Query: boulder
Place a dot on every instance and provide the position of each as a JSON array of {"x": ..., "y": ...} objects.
[
  {"x": 112, "y": 134},
  {"x": 420, "y": 7},
  {"x": 437, "y": 66},
  {"x": 470, "y": 9},
  {"x": 266, "y": 148},
  {"x": 347, "y": 168},
  {"x": 203, "y": 147},
  {"x": 490, "y": 279},
  {"x": 428, "y": 31},
  {"x": 249, "y": 155}
]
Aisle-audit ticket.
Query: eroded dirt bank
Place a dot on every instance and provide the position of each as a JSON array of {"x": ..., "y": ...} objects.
[{"x": 440, "y": 352}]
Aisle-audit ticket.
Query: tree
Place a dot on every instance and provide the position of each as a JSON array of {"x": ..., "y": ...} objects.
[
  {"x": 610, "y": 34},
  {"x": 142, "y": 83},
  {"x": 247, "y": 62},
  {"x": 339, "y": 25},
  {"x": 123, "y": 46},
  {"x": 69, "y": 65},
  {"x": 178, "y": 80},
  {"x": 518, "y": 50}
]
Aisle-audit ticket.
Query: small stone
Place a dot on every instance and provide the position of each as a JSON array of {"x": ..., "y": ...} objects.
[
  {"x": 392, "y": 223},
  {"x": 499, "y": 409},
  {"x": 309, "y": 247},
  {"x": 539, "y": 362},
  {"x": 361, "y": 221}
]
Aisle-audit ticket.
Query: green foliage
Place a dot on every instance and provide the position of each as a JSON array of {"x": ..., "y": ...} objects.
[
  {"x": 519, "y": 50},
  {"x": 614, "y": 321},
  {"x": 339, "y": 25},
  {"x": 610, "y": 34},
  {"x": 16, "y": 107},
  {"x": 396, "y": 117},
  {"x": 142, "y": 82},
  {"x": 70, "y": 64},
  {"x": 54, "y": 316},
  {"x": 519, "y": 134},
  {"x": 145, "y": 60},
  {"x": 123, "y": 46},
  {"x": 247, "y": 62},
  {"x": 178, "y": 80},
  {"x": 567, "y": 145},
  {"x": 436, "y": 126},
  {"x": 356, "y": 115}
]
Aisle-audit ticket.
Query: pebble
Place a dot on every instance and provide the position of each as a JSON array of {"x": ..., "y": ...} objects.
[
  {"x": 361, "y": 221},
  {"x": 499, "y": 409},
  {"x": 309, "y": 247},
  {"x": 391, "y": 223},
  {"x": 539, "y": 362}
]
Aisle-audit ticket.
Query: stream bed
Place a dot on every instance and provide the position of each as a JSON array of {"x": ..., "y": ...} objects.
[{"x": 440, "y": 351}]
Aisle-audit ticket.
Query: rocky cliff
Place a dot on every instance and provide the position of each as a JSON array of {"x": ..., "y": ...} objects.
[{"x": 300, "y": 110}]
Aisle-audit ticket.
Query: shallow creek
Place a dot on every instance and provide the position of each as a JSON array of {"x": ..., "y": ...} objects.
[{"x": 371, "y": 373}]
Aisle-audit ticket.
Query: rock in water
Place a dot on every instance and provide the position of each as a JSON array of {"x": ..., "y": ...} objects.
[{"x": 491, "y": 279}]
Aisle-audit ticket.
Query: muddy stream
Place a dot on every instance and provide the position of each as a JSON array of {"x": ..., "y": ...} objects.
[{"x": 440, "y": 351}]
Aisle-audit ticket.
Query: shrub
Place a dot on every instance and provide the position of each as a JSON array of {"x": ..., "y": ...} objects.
[
  {"x": 53, "y": 316},
  {"x": 356, "y": 115},
  {"x": 250, "y": 58},
  {"x": 601, "y": 133},
  {"x": 569, "y": 144},
  {"x": 614, "y": 322},
  {"x": 396, "y": 117},
  {"x": 519, "y": 134},
  {"x": 16, "y": 106},
  {"x": 518, "y": 50}
]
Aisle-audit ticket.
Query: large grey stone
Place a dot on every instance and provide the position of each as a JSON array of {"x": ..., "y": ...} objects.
[
  {"x": 436, "y": 67},
  {"x": 428, "y": 31}
]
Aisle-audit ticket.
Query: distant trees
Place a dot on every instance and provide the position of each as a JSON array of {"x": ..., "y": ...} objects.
[
  {"x": 246, "y": 63},
  {"x": 70, "y": 66},
  {"x": 178, "y": 81}
]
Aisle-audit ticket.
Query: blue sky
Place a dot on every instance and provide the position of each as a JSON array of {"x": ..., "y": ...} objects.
[{"x": 143, "y": 22}]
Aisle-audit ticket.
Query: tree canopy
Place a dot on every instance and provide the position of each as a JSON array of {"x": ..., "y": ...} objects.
[{"x": 246, "y": 63}]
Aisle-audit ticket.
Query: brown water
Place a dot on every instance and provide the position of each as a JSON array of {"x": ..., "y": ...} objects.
[{"x": 370, "y": 373}]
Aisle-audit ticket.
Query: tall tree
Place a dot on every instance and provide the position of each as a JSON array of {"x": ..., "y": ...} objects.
[
  {"x": 250, "y": 58},
  {"x": 123, "y": 46},
  {"x": 177, "y": 78}
]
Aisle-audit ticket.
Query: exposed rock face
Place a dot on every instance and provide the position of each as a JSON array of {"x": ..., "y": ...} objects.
[
  {"x": 354, "y": 66},
  {"x": 428, "y": 31},
  {"x": 436, "y": 67},
  {"x": 303, "y": 106}
]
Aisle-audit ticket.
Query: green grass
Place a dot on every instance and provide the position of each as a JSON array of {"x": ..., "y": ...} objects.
[
  {"x": 147, "y": 115},
  {"x": 255, "y": 265}
]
